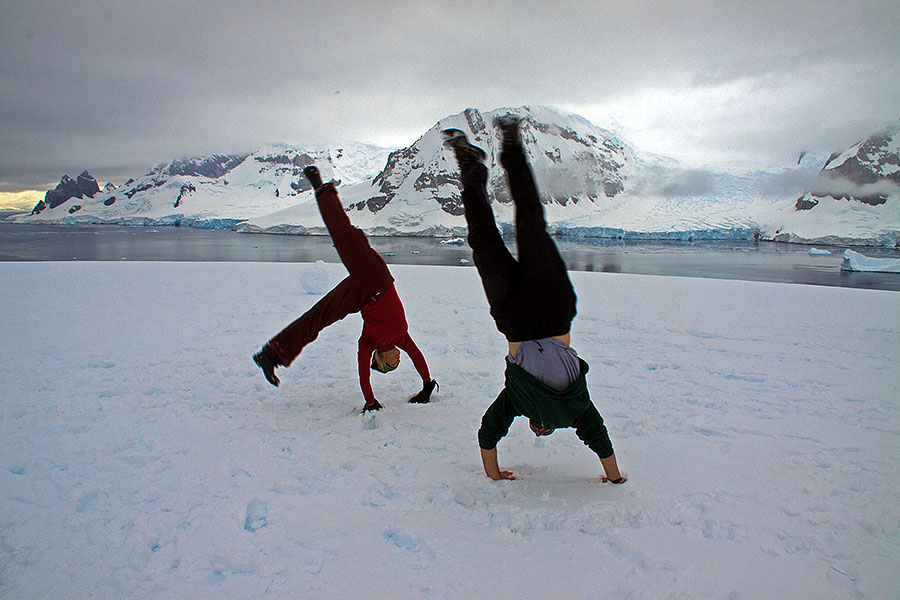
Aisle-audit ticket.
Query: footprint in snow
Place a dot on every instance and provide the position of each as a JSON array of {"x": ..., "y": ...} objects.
[{"x": 257, "y": 512}]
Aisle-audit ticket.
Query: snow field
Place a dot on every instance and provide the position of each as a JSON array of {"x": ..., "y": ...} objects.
[{"x": 142, "y": 453}]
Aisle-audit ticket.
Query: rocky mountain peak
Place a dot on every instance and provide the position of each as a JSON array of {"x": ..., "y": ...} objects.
[
  {"x": 212, "y": 166},
  {"x": 867, "y": 172},
  {"x": 83, "y": 186},
  {"x": 87, "y": 184},
  {"x": 574, "y": 159}
]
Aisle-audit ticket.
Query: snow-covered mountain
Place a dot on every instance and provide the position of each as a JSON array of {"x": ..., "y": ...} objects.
[
  {"x": 853, "y": 198},
  {"x": 580, "y": 167},
  {"x": 215, "y": 191},
  {"x": 82, "y": 186},
  {"x": 593, "y": 182},
  {"x": 867, "y": 172}
]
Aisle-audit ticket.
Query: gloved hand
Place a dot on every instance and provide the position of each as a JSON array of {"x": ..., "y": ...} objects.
[{"x": 424, "y": 397}]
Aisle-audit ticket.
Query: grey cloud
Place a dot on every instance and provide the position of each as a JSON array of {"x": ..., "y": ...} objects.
[
  {"x": 791, "y": 182},
  {"x": 840, "y": 187},
  {"x": 111, "y": 83},
  {"x": 690, "y": 183},
  {"x": 820, "y": 183},
  {"x": 675, "y": 182}
]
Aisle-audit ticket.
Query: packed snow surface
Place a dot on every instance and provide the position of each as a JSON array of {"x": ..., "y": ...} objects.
[{"x": 143, "y": 454}]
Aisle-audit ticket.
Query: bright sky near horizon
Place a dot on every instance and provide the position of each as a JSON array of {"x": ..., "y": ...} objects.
[{"x": 117, "y": 88}]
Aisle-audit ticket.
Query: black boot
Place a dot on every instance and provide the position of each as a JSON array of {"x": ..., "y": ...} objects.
[
  {"x": 508, "y": 125},
  {"x": 466, "y": 153},
  {"x": 315, "y": 178},
  {"x": 265, "y": 362},
  {"x": 424, "y": 397}
]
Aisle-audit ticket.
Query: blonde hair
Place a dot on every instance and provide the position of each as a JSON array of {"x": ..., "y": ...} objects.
[{"x": 379, "y": 364}]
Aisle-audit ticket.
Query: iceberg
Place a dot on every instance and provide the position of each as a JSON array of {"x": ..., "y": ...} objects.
[{"x": 854, "y": 261}]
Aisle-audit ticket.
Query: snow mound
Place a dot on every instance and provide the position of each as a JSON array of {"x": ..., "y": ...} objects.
[{"x": 320, "y": 278}]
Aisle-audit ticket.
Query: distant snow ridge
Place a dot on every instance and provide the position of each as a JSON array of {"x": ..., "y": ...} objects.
[
  {"x": 593, "y": 184},
  {"x": 215, "y": 191},
  {"x": 212, "y": 166}
]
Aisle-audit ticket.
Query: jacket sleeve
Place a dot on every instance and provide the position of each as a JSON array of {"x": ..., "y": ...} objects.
[
  {"x": 416, "y": 356},
  {"x": 590, "y": 429},
  {"x": 496, "y": 421},
  {"x": 364, "y": 356}
]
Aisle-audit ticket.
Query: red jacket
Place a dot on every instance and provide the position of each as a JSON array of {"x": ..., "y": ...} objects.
[{"x": 384, "y": 327}]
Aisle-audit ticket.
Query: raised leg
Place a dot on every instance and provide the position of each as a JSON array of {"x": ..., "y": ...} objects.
[
  {"x": 344, "y": 299},
  {"x": 543, "y": 269},
  {"x": 497, "y": 268},
  {"x": 364, "y": 264}
]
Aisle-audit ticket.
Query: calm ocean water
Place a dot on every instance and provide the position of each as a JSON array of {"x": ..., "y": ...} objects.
[{"x": 753, "y": 261}]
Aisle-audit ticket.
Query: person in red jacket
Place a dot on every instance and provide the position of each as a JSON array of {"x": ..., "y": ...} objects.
[{"x": 369, "y": 290}]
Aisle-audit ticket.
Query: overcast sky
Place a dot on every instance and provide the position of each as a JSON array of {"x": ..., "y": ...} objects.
[{"x": 118, "y": 87}]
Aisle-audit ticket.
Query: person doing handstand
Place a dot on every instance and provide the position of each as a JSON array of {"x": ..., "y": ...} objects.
[
  {"x": 533, "y": 303},
  {"x": 369, "y": 290}
]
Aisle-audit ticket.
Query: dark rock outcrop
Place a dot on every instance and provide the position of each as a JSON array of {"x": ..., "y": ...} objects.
[
  {"x": 83, "y": 186},
  {"x": 186, "y": 188},
  {"x": 87, "y": 184}
]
